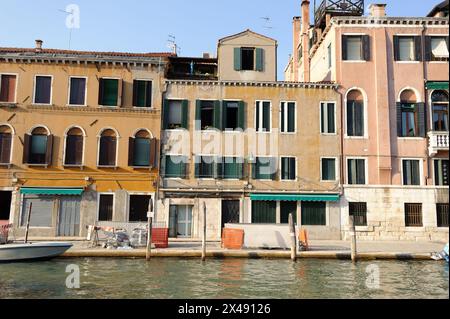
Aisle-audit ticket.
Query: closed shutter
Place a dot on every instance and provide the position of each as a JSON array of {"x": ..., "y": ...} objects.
[
  {"x": 218, "y": 115},
  {"x": 350, "y": 118},
  {"x": 283, "y": 124},
  {"x": 120, "y": 93},
  {"x": 165, "y": 114},
  {"x": 41, "y": 211},
  {"x": 396, "y": 48},
  {"x": 5, "y": 148},
  {"x": 418, "y": 48},
  {"x": 314, "y": 214},
  {"x": 266, "y": 116},
  {"x": 218, "y": 167},
  {"x": 259, "y": 59},
  {"x": 331, "y": 121},
  {"x": 136, "y": 96},
  {"x": 198, "y": 115},
  {"x": 154, "y": 152},
  {"x": 49, "y": 150},
  {"x": 241, "y": 115},
  {"x": 399, "y": 120},
  {"x": 420, "y": 109},
  {"x": 291, "y": 117},
  {"x": 258, "y": 110},
  {"x": 184, "y": 114},
  {"x": 101, "y": 91},
  {"x": 74, "y": 150},
  {"x": 148, "y": 94},
  {"x": 344, "y": 47},
  {"x": 428, "y": 55},
  {"x": 264, "y": 212},
  {"x": 197, "y": 163},
  {"x": 26, "y": 148},
  {"x": 366, "y": 47},
  {"x": 237, "y": 59},
  {"x": 361, "y": 172},
  {"x": 359, "y": 119},
  {"x": 131, "y": 151}
]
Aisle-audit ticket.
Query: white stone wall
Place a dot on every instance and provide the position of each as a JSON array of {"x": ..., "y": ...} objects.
[{"x": 385, "y": 212}]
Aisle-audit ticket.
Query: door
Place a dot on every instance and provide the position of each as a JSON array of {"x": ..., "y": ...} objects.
[
  {"x": 180, "y": 221},
  {"x": 287, "y": 208},
  {"x": 230, "y": 212},
  {"x": 5, "y": 205},
  {"x": 69, "y": 216},
  {"x": 139, "y": 205}
]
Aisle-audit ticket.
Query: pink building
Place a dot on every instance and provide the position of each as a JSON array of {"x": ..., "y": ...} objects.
[{"x": 393, "y": 77}]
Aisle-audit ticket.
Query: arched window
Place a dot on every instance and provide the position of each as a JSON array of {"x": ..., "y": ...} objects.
[
  {"x": 38, "y": 147},
  {"x": 141, "y": 149},
  {"x": 6, "y": 134},
  {"x": 439, "y": 102},
  {"x": 108, "y": 148},
  {"x": 73, "y": 154},
  {"x": 355, "y": 113},
  {"x": 411, "y": 115}
]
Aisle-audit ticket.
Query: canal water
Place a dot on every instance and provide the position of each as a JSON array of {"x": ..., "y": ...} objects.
[{"x": 228, "y": 278}]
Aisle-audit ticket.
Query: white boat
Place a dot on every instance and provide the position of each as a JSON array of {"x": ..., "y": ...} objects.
[{"x": 32, "y": 251}]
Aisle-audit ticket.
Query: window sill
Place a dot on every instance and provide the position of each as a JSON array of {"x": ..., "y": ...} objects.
[
  {"x": 205, "y": 178},
  {"x": 288, "y": 180},
  {"x": 263, "y": 132},
  {"x": 146, "y": 108},
  {"x": 328, "y": 134},
  {"x": 175, "y": 178},
  {"x": 76, "y": 105},
  {"x": 73, "y": 166},
  {"x": 437, "y": 62},
  {"x": 412, "y": 138},
  {"x": 175, "y": 129},
  {"x": 288, "y": 133},
  {"x": 356, "y": 137},
  {"x": 6, "y": 164},
  {"x": 108, "y": 107},
  {"x": 231, "y": 179},
  {"x": 41, "y": 104},
  {"x": 329, "y": 181},
  {"x": 141, "y": 167},
  {"x": 407, "y": 62},
  {"x": 8, "y": 104},
  {"x": 354, "y": 61},
  {"x": 107, "y": 166},
  {"x": 37, "y": 165}
]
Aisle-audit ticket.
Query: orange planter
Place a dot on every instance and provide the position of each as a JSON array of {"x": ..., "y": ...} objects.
[{"x": 232, "y": 238}]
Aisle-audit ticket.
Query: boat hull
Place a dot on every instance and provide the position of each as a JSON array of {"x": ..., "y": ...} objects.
[{"x": 32, "y": 252}]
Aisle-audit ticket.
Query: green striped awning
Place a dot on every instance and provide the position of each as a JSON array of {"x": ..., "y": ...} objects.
[
  {"x": 51, "y": 191},
  {"x": 437, "y": 85},
  {"x": 296, "y": 197}
]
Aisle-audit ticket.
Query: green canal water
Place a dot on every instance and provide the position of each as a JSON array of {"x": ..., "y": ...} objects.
[{"x": 228, "y": 278}]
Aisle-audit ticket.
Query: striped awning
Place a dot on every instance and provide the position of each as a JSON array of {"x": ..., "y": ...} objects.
[
  {"x": 296, "y": 197},
  {"x": 51, "y": 191}
]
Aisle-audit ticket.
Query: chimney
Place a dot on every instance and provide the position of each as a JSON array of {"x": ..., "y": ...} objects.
[
  {"x": 377, "y": 10},
  {"x": 305, "y": 40},
  {"x": 206, "y": 55},
  {"x": 39, "y": 45},
  {"x": 296, "y": 31}
]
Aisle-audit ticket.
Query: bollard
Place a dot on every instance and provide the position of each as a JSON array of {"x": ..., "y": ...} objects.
[{"x": 293, "y": 239}]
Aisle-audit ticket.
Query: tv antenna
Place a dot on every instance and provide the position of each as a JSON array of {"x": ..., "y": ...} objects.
[
  {"x": 70, "y": 29},
  {"x": 267, "y": 22},
  {"x": 172, "y": 44}
]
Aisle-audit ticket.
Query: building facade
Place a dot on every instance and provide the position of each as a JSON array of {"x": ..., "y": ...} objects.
[
  {"x": 393, "y": 76},
  {"x": 79, "y": 138}
]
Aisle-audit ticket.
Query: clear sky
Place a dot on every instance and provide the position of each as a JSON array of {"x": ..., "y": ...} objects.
[{"x": 145, "y": 26}]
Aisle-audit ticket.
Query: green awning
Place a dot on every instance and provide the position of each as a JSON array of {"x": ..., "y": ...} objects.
[
  {"x": 296, "y": 197},
  {"x": 437, "y": 85},
  {"x": 51, "y": 191}
]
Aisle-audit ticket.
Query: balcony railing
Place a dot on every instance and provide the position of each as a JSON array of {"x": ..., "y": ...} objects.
[
  {"x": 338, "y": 8},
  {"x": 438, "y": 141}
]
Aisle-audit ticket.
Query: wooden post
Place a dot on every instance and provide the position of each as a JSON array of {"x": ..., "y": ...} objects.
[
  {"x": 28, "y": 223},
  {"x": 353, "y": 238},
  {"x": 204, "y": 233},
  {"x": 293, "y": 239},
  {"x": 150, "y": 228}
]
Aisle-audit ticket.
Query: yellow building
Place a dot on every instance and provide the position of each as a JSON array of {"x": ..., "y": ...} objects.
[{"x": 79, "y": 137}]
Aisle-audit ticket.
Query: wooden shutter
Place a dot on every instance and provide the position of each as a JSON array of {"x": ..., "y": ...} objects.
[
  {"x": 396, "y": 48},
  {"x": 237, "y": 59},
  {"x": 399, "y": 120},
  {"x": 165, "y": 114},
  {"x": 218, "y": 115},
  {"x": 184, "y": 114},
  {"x": 148, "y": 95},
  {"x": 421, "y": 117},
  {"x": 344, "y": 47},
  {"x": 418, "y": 48},
  {"x": 218, "y": 167},
  {"x": 198, "y": 115},
  {"x": 224, "y": 115},
  {"x": 135, "y": 92},
  {"x": 259, "y": 59},
  {"x": 101, "y": 90},
  {"x": 26, "y": 148},
  {"x": 131, "y": 151},
  {"x": 241, "y": 115},
  {"x": 197, "y": 161},
  {"x": 154, "y": 151},
  {"x": 49, "y": 150},
  {"x": 120, "y": 92},
  {"x": 366, "y": 47},
  {"x": 79, "y": 143},
  {"x": 428, "y": 55},
  {"x": 283, "y": 124},
  {"x": 5, "y": 148}
]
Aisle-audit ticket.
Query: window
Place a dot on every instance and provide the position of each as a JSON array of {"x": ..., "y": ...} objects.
[
  {"x": 5, "y": 144},
  {"x": 108, "y": 148},
  {"x": 288, "y": 117},
  {"x": 411, "y": 118},
  {"x": 439, "y": 101},
  {"x": 248, "y": 59},
  {"x": 359, "y": 213},
  {"x": 233, "y": 115},
  {"x": 38, "y": 147},
  {"x": 175, "y": 166},
  {"x": 108, "y": 92},
  {"x": 208, "y": 115},
  {"x": 411, "y": 172},
  {"x": 327, "y": 118},
  {"x": 105, "y": 207},
  {"x": 407, "y": 48},
  {"x": 287, "y": 208},
  {"x": 413, "y": 215},
  {"x": 314, "y": 214},
  {"x": 356, "y": 169},
  {"x": 355, "y": 48},
  {"x": 206, "y": 167},
  {"x": 263, "y": 116},
  {"x": 138, "y": 208},
  {"x": 265, "y": 168},
  {"x": 264, "y": 212},
  {"x": 142, "y": 93},
  {"x": 43, "y": 90},
  {"x": 442, "y": 215},
  {"x": 180, "y": 221},
  {"x": 233, "y": 168},
  {"x": 436, "y": 48},
  {"x": 42, "y": 210},
  {"x": 175, "y": 114},
  {"x": 328, "y": 169},
  {"x": 77, "y": 94},
  {"x": 441, "y": 172},
  {"x": 355, "y": 113},
  {"x": 73, "y": 155},
  {"x": 288, "y": 169},
  {"x": 142, "y": 150},
  {"x": 330, "y": 57},
  {"x": 8, "y": 88}
]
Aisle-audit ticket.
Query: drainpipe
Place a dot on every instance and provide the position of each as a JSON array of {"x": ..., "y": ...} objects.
[{"x": 425, "y": 100}]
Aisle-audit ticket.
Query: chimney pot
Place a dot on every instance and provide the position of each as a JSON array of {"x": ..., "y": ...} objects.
[
  {"x": 377, "y": 10},
  {"x": 206, "y": 55},
  {"x": 39, "y": 45}
]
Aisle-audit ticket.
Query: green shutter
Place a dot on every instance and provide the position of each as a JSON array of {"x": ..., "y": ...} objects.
[
  {"x": 218, "y": 115},
  {"x": 283, "y": 124},
  {"x": 197, "y": 162},
  {"x": 198, "y": 115},
  {"x": 184, "y": 114},
  {"x": 110, "y": 92},
  {"x": 399, "y": 120},
  {"x": 264, "y": 212},
  {"x": 165, "y": 113},
  {"x": 291, "y": 118},
  {"x": 331, "y": 120},
  {"x": 218, "y": 167},
  {"x": 141, "y": 152},
  {"x": 314, "y": 214},
  {"x": 237, "y": 59},
  {"x": 266, "y": 116},
  {"x": 259, "y": 59},
  {"x": 421, "y": 116},
  {"x": 241, "y": 115}
]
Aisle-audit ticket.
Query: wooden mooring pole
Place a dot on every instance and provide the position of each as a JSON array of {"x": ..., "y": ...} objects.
[
  {"x": 148, "y": 252},
  {"x": 204, "y": 233},
  {"x": 28, "y": 223},
  {"x": 354, "y": 252},
  {"x": 293, "y": 238}
]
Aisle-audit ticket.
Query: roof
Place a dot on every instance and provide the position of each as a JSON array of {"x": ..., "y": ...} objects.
[
  {"x": 440, "y": 7},
  {"x": 248, "y": 31}
]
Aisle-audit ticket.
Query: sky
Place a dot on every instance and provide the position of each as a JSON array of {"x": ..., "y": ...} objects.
[{"x": 146, "y": 26}]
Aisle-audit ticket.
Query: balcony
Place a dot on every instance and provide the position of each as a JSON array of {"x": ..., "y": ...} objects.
[
  {"x": 438, "y": 141},
  {"x": 337, "y": 8}
]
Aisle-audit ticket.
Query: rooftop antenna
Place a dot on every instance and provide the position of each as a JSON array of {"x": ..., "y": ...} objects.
[
  {"x": 267, "y": 22},
  {"x": 70, "y": 29},
  {"x": 171, "y": 43}
]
